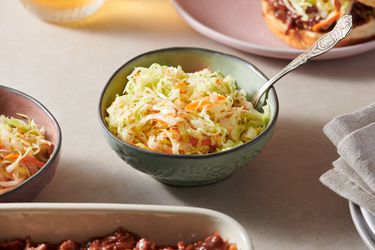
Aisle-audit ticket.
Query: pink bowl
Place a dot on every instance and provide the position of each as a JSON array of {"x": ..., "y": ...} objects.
[{"x": 12, "y": 102}]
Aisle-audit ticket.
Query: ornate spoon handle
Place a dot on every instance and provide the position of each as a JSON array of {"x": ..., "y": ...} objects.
[{"x": 324, "y": 44}]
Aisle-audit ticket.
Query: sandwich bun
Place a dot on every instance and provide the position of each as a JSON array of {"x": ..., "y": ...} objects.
[
  {"x": 368, "y": 2},
  {"x": 303, "y": 39}
]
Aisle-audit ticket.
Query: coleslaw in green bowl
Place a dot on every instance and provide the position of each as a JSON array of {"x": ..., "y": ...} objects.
[
  {"x": 148, "y": 110},
  {"x": 167, "y": 110}
]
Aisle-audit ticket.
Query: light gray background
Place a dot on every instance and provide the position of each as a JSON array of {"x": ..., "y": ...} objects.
[{"x": 277, "y": 198}]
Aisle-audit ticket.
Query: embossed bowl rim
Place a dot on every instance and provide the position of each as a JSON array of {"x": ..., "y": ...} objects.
[{"x": 177, "y": 49}]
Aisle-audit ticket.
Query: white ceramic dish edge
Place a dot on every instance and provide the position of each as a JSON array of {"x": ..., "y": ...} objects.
[
  {"x": 23, "y": 219},
  {"x": 360, "y": 225},
  {"x": 369, "y": 219}
]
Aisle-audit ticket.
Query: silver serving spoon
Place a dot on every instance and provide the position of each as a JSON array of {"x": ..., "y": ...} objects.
[{"x": 324, "y": 44}]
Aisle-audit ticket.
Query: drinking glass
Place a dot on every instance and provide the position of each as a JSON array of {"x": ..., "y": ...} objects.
[{"x": 61, "y": 11}]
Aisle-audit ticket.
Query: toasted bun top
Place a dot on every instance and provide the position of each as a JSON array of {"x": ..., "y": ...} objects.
[
  {"x": 300, "y": 38},
  {"x": 368, "y": 2}
]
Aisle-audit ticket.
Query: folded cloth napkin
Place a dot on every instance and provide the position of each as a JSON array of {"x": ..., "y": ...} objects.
[
  {"x": 343, "y": 125},
  {"x": 353, "y": 175}
]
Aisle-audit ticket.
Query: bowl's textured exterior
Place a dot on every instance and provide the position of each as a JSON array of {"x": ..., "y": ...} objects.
[
  {"x": 11, "y": 103},
  {"x": 190, "y": 170}
]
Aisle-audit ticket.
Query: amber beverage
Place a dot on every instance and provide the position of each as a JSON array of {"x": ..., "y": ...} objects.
[{"x": 62, "y": 10}]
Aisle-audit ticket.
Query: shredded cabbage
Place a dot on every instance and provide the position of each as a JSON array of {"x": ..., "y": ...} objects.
[
  {"x": 23, "y": 150},
  {"x": 166, "y": 110},
  {"x": 324, "y": 7},
  {"x": 329, "y": 11}
]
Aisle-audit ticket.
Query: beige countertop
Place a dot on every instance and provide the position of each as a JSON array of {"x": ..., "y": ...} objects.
[{"x": 277, "y": 198}]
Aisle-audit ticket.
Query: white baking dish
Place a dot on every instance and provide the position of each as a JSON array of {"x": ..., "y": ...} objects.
[{"x": 54, "y": 222}]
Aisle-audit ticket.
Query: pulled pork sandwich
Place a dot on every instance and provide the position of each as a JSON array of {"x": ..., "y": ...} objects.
[{"x": 301, "y": 22}]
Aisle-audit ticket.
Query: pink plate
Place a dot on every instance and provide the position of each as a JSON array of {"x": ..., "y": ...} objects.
[{"x": 239, "y": 24}]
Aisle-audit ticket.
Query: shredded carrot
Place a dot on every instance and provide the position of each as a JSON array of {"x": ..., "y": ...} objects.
[
  {"x": 180, "y": 85},
  {"x": 337, "y": 5},
  {"x": 326, "y": 22},
  {"x": 174, "y": 130},
  {"x": 32, "y": 160},
  {"x": 170, "y": 115},
  {"x": 220, "y": 97},
  {"x": 192, "y": 105},
  {"x": 162, "y": 123},
  {"x": 11, "y": 156},
  {"x": 153, "y": 110},
  {"x": 206, "y": 142},
  {"x": 233, "y": 247},
  {"x": 196, "y": 104},
  {"x": 193, "y": 141}
]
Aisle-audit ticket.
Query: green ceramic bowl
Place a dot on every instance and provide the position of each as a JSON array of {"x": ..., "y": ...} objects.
[{"x": 190, "y": 170}]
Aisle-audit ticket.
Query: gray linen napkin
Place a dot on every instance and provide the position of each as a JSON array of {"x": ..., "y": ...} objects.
[
  {"x": 343, "y": 125},
  {"x": 358, "y": 150},
  {"x": 344, "y": 187},
  {"x": 353, "y": 175}
]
